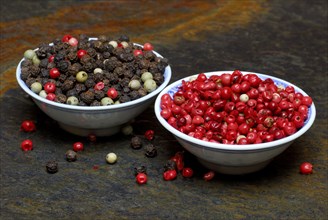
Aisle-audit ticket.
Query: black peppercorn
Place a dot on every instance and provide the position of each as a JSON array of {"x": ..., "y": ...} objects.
[
  {"x": 136, "y": 142},
  {"x": 99, "y": 94},
  {"x": 140, "y": 169},
  {"x": 80, "y": 87},
  {"x": 58, "y": 57},
  {"x": 67, "y": 85},
  {"x": 124, "y": 98},
  {"x": 124, "y": 37},
  {"x": 170, "y": 165},
  {"x": 151, "y": 150},
  {"x": 134, "y": 95},
  {"x": 158, "y": 78},
  {"x": 71, "y": 156},
  {"x": 52, "y": 167},
  {"x": 61, "y": 98},
  {"x": 74, "y": 68},
  {"x": 87, "y": 97}
]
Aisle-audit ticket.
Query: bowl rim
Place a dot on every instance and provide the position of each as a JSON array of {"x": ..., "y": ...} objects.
[
  {"x": 231, "y": 147},
  {"x": 167, "y": 77}
]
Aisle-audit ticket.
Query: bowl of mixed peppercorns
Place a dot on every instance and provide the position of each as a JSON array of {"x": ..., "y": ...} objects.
[
  {"x": 93, "y": 85},
  {"x": 235, "y": 122}
]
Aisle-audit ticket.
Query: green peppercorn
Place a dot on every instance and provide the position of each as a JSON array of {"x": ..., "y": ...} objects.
[
  {"x": 43, "y": 94},
  {"x": 36, "y": 87},
  {"x": 29, "y": 54},
  {"x": 146, "y": 75},
  {"x": 127, "y": 130},
  {"x": 150, "y": 85},
  {"x": 36, "y": 61},
  {"x": 81, "y": 76},
  {"x": 134, "y": 84},
  {"x": 72, "y": 100},
  {"x": 106, "y": 101}
]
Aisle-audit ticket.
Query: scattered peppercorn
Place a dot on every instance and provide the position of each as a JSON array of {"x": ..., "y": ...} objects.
[
  {"x": 92, "y": 137},
  {"x": 170, "y": 165},
  {"x": 141, "y": 178},
  {"x": 149, "y": 134},
  {"x": 151, "y": 150},
  {"x": 170, "y": 175},
  {"x": 209, "y": 176},
  {"x": 140, "y": 169},
  {"x": 111, "y": 158},
  {"x": 136, "y": 142},
  {"x": 306, "y": 168},
  {"x": 52, "y": 167},
  {"x": 27, "y": 145},
  {"x": 28, "y": 126},
  {"x": 71, "y": 156}
]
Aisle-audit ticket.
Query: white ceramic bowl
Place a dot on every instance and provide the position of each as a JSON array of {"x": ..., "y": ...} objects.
[
  {"x": 98, "y": 120},
  {"x": 232, "y": 159}
]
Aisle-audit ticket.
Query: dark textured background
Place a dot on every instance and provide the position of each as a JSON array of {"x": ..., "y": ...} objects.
[{"x": 286, "y": 39}]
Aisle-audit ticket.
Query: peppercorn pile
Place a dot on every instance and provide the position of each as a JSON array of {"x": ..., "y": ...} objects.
[
  {"x": 235, "y": 109},
  {"x": 92, "y": 72}
]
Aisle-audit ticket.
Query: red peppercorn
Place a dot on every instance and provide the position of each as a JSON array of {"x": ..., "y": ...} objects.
[
  {"x": 178, "y": 159},
  {"x": 148, "y": 46},
  {"x": 51, "y": 96},
  {"x": 306, "y": 168},
  {"x": 166, "y": 113},
  {"x": 306, "y": 100},
  {"x": 137, "y": 53},
  {"x": 209, "y": 176},
  {"x": 112, "y": 93},
  {"x": 27, "y": 145},
  {"x": 28, "y": 126},
  {"x": 78, "y": 146},
  {"x": 187, "y": 172},
  {"x": 66, "y": 38},
  {"x": 149, "y": 134},
  {"x": 73, "y": 41},
  {"x": 51, "y": 58},
  {"x": 81, "y": 53},
  {"x": 49, "y": 87},
  {"x": 92, "y": 137},
  {"x": 141, "y": 178},
  {"x": 170, "y": 175},
  {"x": 223, "y": 107},
  {"x": 54, "y": 73},
  {"x": 99, "y": 86}
]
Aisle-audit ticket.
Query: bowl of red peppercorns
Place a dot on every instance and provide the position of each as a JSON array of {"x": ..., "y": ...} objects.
[
  {"x": 93, "y": 85},
  {"x": 234, "y": 122}
]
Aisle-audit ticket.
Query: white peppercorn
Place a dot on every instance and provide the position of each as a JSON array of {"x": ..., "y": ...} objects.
[
  {"x": 43, "y": 94},
  {"x": 150, "y": 85},
  {"x": 113, "y": 43},
  {"x": 72, "y": 100},
  {"x": 106, "y": 101},
  {"x": 97, "y": 70},
  {"x": 146, "y": 75},
  {"x": 111, "y": 158},
  {"x": 134, "y": 84}
]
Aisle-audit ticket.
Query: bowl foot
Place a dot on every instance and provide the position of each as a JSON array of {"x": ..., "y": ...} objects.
[
  {"x": 234, "y": 170},
  {"x": 86, "y": 131}
]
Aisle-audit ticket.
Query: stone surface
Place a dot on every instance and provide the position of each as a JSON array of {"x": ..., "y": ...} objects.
[{"x": 286, "y": 39}]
